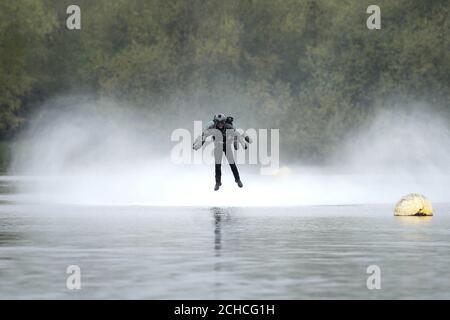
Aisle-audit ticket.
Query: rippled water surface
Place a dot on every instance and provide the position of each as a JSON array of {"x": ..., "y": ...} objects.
[{"x": 143, "y": 252}]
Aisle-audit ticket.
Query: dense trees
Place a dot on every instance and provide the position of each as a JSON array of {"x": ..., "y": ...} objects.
[
  {"x": 310, "y": 67},
  {"x": 23, "y": 26}
]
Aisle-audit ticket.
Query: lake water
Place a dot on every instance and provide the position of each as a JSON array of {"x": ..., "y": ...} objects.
[{"x": 145, "y": 252}]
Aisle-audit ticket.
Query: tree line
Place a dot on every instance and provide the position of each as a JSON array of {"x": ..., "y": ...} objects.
[{"x": 308, "y": 67}]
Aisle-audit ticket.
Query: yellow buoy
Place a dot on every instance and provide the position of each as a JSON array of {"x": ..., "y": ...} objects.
[{"x": 413, "y": 204}]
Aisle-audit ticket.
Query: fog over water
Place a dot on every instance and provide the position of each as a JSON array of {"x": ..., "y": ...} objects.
[
  {"x": 98, "y": 189},
  {"x": 87, "y": 155}
]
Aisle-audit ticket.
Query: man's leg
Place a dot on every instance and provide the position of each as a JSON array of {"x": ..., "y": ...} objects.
[
  {"x": 218, "y": 173},
  {"x": 234, "y": 169},
  {"x": 218, "y": 166}
]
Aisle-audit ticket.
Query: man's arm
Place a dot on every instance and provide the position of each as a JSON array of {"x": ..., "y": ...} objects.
[
  {"x": 243, "y": 139},
  {"x": 200, "y": 141}
]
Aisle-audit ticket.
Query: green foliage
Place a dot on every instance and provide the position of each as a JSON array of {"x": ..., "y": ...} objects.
[
  {"x": 309, "y": 67},
  {"x": 23, "y": 26}
]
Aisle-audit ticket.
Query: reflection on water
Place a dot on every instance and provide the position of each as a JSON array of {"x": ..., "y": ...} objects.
[
  {"x": 10, "y": 227},
  {"x": 414, "y": 220},
  {"x": 8, "y": 238},
  {"x": 416, "y": 226},
  {"x": 223, "y": 253},
  {"x": 217, "y": 213}
]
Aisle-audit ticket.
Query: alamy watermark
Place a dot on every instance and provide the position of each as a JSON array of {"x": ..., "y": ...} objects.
[
  {"x": 73, "y": 21},
  {"x": 73, "y": 281},
  {"x": 374, "y": 20},
  {"x": 374, "y": 280},
  {"x": 252, "y": 146}
]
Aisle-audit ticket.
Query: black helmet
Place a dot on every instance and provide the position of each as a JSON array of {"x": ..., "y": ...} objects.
[{"x": 220, "y": 117}]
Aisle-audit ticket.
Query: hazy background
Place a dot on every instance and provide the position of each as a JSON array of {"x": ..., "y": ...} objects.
[{"x": 98, "y": 104}]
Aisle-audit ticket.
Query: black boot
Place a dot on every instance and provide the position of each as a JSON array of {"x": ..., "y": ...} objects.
[
  {"x": 239, "y": 183},
  {"x": 217, "y": 186}
]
